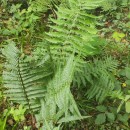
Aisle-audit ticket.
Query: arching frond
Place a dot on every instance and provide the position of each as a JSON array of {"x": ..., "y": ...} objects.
[
  {"x": 59, "y": 104},
  {"x": 73, "y": 30},
  {"x": 98, "y": 76},
  {"x": 25, "y": 82}
]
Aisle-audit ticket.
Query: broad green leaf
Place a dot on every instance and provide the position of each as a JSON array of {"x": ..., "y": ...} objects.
[
  {"x": 128, "y": 16},
  {"x": 110, "y": 116},
  {"x": 101, "y": 118},
  {"x": 118, "y": 36},
  {"x": 127, "y": 106},
  {"x": 6, "y": 32},
  {"x": 127, "y": 82},
  {"x": 128, "y": 24},
  {"x": 18, "y": 114},
  {"x": 122, "y": 72},
  {"x": 127, "y": 97},
  {"x": 123, "y": 118},
  {"x": 127, "y": 71},
  {"x": 101, "y": 108}
]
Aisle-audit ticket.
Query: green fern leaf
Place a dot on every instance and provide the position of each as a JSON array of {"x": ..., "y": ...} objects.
[
  {"x": 73, "y": 30},
  {"x": 59, "y": 103},
  {"x": 99, "y": 76},
  {"x": 24, "y": 82}
]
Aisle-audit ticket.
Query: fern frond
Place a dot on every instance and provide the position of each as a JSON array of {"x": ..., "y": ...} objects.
[
  {"x": 40, "y": 5},
  {"x": 99, "y": 76},
  {"x": 73, "y": 29},
  {"x": 59, "y": 102},
  {"x": 24, "y": 82}
]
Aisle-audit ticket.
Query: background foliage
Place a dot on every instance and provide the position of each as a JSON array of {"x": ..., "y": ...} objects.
[{"x": 64, "y": 64}]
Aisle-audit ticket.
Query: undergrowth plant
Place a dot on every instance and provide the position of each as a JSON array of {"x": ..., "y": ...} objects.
[
  {"x": 25, "y": 81},
  {"x": 50, "y": 64}
]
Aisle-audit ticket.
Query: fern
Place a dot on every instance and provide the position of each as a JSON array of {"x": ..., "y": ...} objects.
[
  {"x": 99, "y": 76},
  {"x": 24, "y": 81},
  {"x": 59, "y": 105},
  {"x": 72, "y": 33},
  {"x": 108, "y": 4},
  {"x": 73, "y": 30},
  {"x": 40, "y": 5}
]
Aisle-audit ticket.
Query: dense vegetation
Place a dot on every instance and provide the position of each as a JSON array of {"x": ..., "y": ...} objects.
[{"x": 65, "y": 65}]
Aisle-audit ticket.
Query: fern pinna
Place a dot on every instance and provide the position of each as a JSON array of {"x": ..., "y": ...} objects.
[{"x": 24, "y": 81}]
